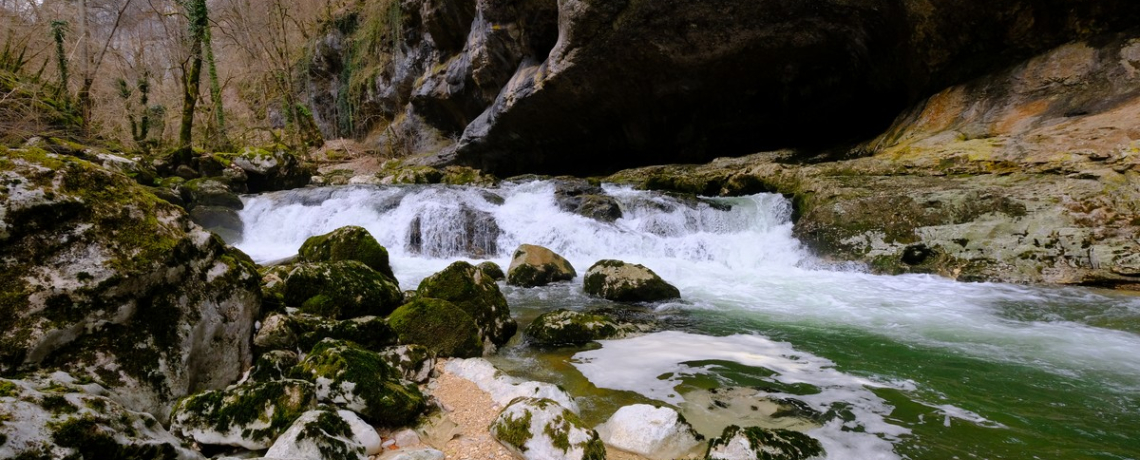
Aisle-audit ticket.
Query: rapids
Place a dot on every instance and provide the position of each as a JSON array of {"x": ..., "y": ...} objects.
[{"x": 889, "y": 367}]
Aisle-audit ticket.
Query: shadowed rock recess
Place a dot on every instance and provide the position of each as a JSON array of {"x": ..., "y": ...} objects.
[{"x": 588, "y": 86}]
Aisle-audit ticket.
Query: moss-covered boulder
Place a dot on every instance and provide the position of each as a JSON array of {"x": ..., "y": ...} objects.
[
  {"x": 341, "y": 290},
  {"x": 100, "y": 278},
  {"x": 537, "y": 266},
  {"x": 754, "y": 443},
  {"x": 268, "y": 171},
  {"x": 492, "y": 270},
  {"x": 273, "y": 287},
  {"x": 361, "y": 381},
  {"x": 252, "y": 415},
  {"x": 271, "y": 366},
  {"x": 624, "y": 282},
  {"x": 224, "y": 222},
  {"x": 347, "y": 243},
  {"x": 540, "y": 429},
  {"x": 303, "y": 331},
  {"x": 413, "y": 362},
  {"x": 276, "y": 333},
  {"x": 210, "y": 192},
  {"x": 58, "y": 418},
  {"x": 321, "y": 434},
  {"x": 467, "y": 287},
  {"x": 438, "y": 325},
  {"x": 580, "y": 197},
  {"x": 565, "y": 327}
]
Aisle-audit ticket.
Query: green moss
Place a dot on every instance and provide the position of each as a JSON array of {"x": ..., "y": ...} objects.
[
  {"x": 776, "y": 444},
  {"x": 327, "y": 432},
  {"x": 92, "y": 440},
  {"x": 438, "y": 325},
  {"x": 276, "y": 403},
  {"x": 374, "y": 382},
  {"x": 468, "y": 288},
  {"x": 347, "y": 243},
  {"x": 58, "y": 404},
  {"x": 514, "y": 431},
  {"x": 8, "y": 389},
  {"x": 351, "y": 288},
  {"x": 559, "y": 432},
  {"x": 564, "y": 327}
]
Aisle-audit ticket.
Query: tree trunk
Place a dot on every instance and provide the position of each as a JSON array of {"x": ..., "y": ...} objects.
[
  {"x": 221, "y": 139},
  {"x": 84, "y": 95},
  {"x": 192, "y": 77}
]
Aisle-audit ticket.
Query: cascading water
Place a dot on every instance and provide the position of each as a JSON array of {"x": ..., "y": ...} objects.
[{"x": 893, "y": 367}]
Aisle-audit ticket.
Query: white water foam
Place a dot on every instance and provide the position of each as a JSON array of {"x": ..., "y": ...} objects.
[{"x": 638, "y": 365}]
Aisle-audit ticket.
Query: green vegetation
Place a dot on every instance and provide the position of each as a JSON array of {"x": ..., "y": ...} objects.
[
  {"x": 347, "y": 243},
  {"x": 514, "y": 431},
  {"x": 439, "y": 325}
]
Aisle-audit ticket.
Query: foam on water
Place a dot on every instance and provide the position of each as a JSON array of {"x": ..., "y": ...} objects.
[{"x": 653, "y": 365}]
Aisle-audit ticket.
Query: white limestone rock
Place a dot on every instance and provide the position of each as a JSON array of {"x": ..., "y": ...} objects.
[{"x": 652, "y": 432}]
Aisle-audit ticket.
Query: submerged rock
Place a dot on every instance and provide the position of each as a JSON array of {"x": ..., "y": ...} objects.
[
  {"x": 57, "y": 418},
  {"x": 318, "y": 435},
  {"x": 465, "y": 232},
  {"x": 100, "y": 278},
  {"x": 438, "y": 325},
  {"x": 468, "y": 288},
  {"x": 361, "y": 381},
  {"x": 341, "y": 290},
  {"x": 657, "y": 433},
  {"x": 347, "y": 243},
  {"x": 251, "y": 415},
  {"x": 540, "y": 429},
  {"x": 756, "y": 443},
  {"x": 533, "y": 266},
  {"x": 624, "y": 282},
  {"x": 565, "y": 327}
]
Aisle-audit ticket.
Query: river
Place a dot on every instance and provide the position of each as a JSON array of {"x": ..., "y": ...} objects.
[{"x": 882, "y": 367}]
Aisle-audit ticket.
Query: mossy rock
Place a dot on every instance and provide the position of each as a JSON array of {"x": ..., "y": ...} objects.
[
  {"x": 361, "y": 381},
  {"x": 580, "y": 197},
  {"x": 370, "y": 332},
  {"x": 413, "y": 362},
  {"x": 276, "y": 333},
  {"x": 251, "y": 415},
  {"x": 565, "y": 327},
  {"x": 318, "y": 434},
  {"x": 533, "y": 266},
  {"x": 470, "y": 289},
  {"x": 272, "y": 365},
  {"x": 116, "y": 285},
  {"x": 210, "y": 192},
  {"x": 757, "y": 443},
  {"x": 221, "y": 221},
  {"x": 46, "y": 418},
  {"x": 272, "y": 169},
  {"x": 347, "y": 243},
  {"x": 625, "y": 282},
  {"x": 492, "y": 270},
  {"x": 438, "y": 325},
  {"x": 273, "y": 288},
  {"x": 537, "y": 429},
  {"x": 341, "y": 290}
]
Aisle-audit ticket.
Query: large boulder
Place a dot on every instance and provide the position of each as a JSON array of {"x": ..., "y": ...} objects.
[
  {"x": 58, "y": 418},
  {"x": 271, "y": 366},
  {"x": 361, "y": 381},
  {"x": 469, "y": 288},
  {"x": 100, "y": 278},
  {"x": 341, "y": 290},
  {"x": 754, "y": 443},
  {"x": 347, "y": 243},
  {"x": 584, "y": 199},
  {"x": 565, "y": 327},
  {"x": 251, "y": 415},
  {"x": 438, "y": 325},
  {"x": 537, "y": 266},
  {"x": 657, "y": 433},
  {"x": 624, "y": 282},
  {"x": 300, "y": 330},
  {"x": 268, "y": 171},
  {"x": 414, "y": 363},
  {"x": 492, "y": 270},
  {"x": 210, "y": 192},
  {"x": 540, "y": 429},
  {"x": 318, "y": 435}
]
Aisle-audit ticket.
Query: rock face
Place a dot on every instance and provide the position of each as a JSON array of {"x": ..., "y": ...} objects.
[
  {"x": 540, "y": 429},
  {"x": 759, "y": 444},
  {"x": 252, "y": 415},
  {"x": 704, "y": 79},
  {"x": 347, "y": 243},
  {"x": 100, "y": 278},
  {"x": 623, "y": 282},
  {"x": 361, "y": 381},
  {"x": 341, "y": 290},
  {"x": 470, "y": 289},
  {"x": 537, "y": 266},
  {"x": 658, "y": 433},
  {"x": 439, "y": 325},
  {"x": 58, "y": 418},
  {"x": 565, "y": 327}
]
